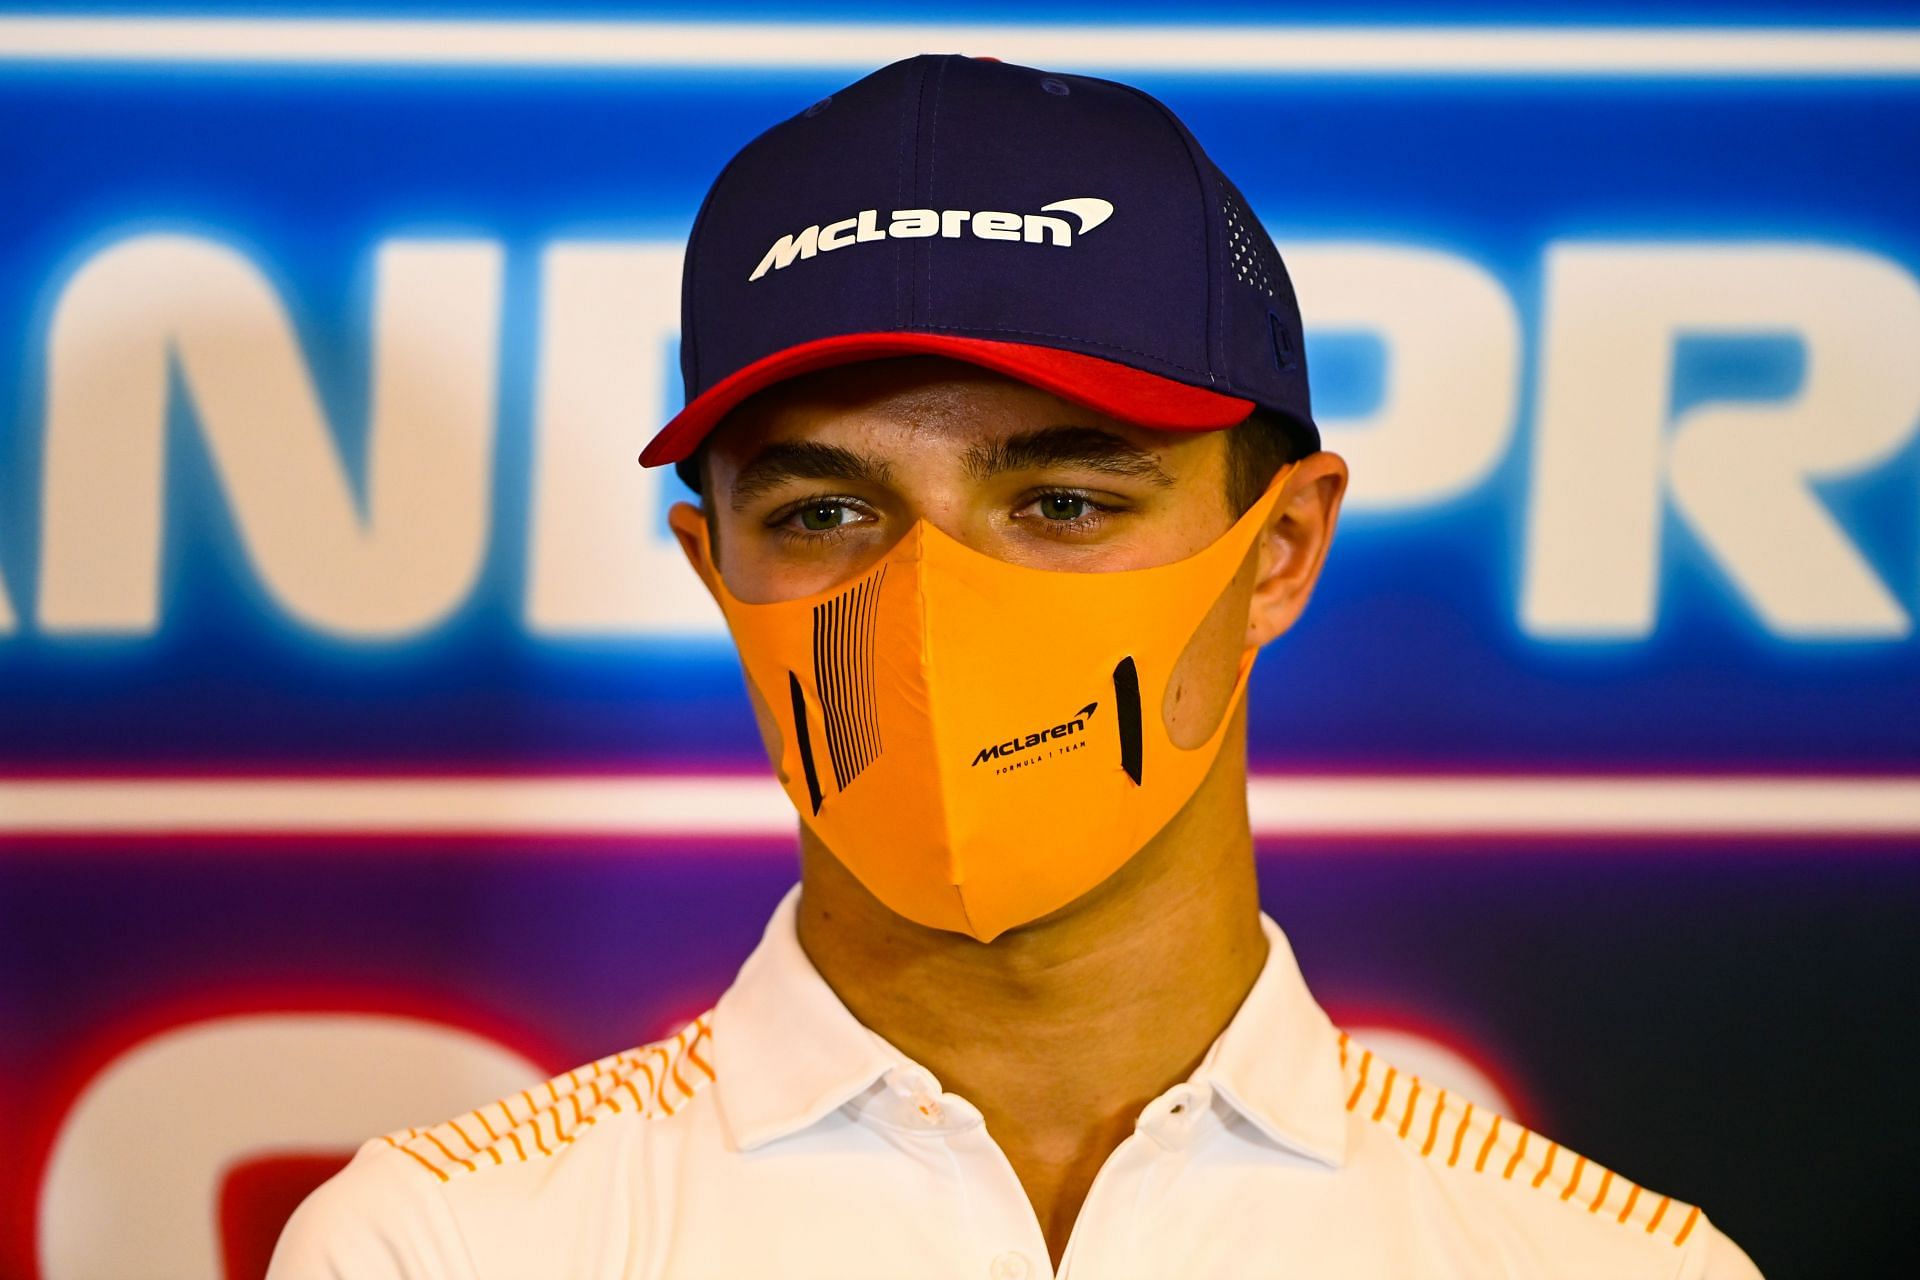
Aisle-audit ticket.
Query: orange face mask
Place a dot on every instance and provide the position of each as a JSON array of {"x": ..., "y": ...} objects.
[{"x": 978, "y": 742}]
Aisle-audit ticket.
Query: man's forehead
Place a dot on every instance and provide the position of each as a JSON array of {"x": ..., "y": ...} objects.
[{"x": 984, "y": 419}]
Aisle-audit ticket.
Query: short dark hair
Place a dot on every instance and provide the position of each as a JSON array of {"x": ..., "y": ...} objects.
[{"x": 1257, "y": 447}]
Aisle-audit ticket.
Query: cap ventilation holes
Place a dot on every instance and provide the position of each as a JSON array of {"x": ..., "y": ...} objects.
[{"x": 1250, "y": 259}]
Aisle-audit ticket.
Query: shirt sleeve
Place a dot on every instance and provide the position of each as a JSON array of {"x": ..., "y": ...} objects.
[
  {"x": 1711, "y": 1255},
  {"x": 377, "y": 1219}
]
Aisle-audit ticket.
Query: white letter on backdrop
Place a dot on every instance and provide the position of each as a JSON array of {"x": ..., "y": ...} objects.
[
  {"x": 159, "y": 299},
  {"x": 600, "y": 560},
  {"x": 1452, "y": 371},
  {"x": 1739, "y": 473}
]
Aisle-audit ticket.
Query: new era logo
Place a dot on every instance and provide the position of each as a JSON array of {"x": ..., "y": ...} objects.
[{"x": 1056, "y": 224}]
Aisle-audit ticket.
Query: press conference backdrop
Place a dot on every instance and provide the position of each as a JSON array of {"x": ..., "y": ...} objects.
[{"x": 366, "y": 752}]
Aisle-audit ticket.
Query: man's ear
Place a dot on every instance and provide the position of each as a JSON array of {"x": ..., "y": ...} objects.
[
  {"x": 689, "y": 525},
  {"x": 1294, "y": 544}
]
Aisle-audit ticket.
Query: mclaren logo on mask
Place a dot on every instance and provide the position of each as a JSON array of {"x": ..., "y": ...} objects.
[
  {"x": 1045, "y": 227},
  {"x": 1075, "y": 723}
]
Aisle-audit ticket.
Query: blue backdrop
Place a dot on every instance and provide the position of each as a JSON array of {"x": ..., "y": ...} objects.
[{"x": 325, "y": 351}]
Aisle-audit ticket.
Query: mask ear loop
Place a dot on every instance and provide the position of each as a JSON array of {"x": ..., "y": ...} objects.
[
  {"x": 1241, "y": 683},
  {"x": 1257, "y": 514}
]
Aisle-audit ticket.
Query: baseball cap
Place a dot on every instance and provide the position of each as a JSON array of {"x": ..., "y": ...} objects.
[{"x": 1063, "y": 230}]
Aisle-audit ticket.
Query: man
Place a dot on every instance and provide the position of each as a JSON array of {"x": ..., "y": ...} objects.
[{"x": 999, "y": 418}]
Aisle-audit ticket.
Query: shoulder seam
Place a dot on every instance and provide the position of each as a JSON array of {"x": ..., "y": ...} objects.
[
  {"x": 643, "y": 1083},
  {"x": 1487, "y": 1141}
]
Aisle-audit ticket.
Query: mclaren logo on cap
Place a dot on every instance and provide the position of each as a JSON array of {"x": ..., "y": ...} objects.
[{"x": 1045, "y": 227}]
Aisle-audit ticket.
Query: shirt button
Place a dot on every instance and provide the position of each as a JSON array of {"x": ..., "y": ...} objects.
[
  {"x": 1009, "y": 1266},
  {"x": 1171, "y": 1118},
  {"x": 909, "y": 1084}
]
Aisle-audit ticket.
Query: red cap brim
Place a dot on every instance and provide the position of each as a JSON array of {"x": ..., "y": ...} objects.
[{"x": 1117, "y": 390}]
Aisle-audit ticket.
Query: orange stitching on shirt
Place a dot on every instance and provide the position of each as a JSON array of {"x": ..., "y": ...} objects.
[
  {"x": 693, "y": 1054},
  {"x": 471, "y": 1144},
  {"x": 1365, "y": 1062},
  {"x": 686, "y": 1090},
  {"x": 660, "y": 1088},
  {"x": 425, "y": 1163},
  {"x": 1553, "y": 1149},
  {"x": 580, "y": 1092},
  {"x": 1579, "y": 1167},
  {"x": 1433, "y": 1130},
  {"x": 1458, "y": 1134},
  {"x": 533, "y": 1124},
  {"x": 1516, "y": 1136},
  {"x": 446, "y": 1151},
  {"x": 559, "y": 1131},
  {"x": 1487, "y": 1146},
  {"x": 1386, "y": 1091},
  {"x": 1517, "y": 1153}
]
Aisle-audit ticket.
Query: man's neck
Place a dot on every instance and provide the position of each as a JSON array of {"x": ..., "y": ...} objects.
[{"x": 1061, "y": 1031}]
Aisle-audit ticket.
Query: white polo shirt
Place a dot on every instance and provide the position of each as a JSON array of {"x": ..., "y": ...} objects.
[{"x": 778, "y": 1137}]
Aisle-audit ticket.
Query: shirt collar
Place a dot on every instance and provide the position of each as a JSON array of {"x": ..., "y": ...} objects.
[
  {"x": 787, "y": 1053},
  {"x": 1278, "y": 1061}
]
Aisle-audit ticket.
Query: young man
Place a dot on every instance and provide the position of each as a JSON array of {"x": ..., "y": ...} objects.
[{"x": 999, "y": 418}]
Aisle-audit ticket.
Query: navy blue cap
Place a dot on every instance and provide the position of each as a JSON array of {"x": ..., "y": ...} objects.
[{"x": 1063, "y": 230}]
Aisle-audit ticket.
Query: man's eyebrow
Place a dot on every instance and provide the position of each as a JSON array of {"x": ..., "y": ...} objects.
[
  {"x": 786, "y": 460},
  {"x": 1066, "y": 446}
]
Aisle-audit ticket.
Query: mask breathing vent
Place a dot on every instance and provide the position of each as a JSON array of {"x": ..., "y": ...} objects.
[
  {"x": 1126, "y": 705},
  {"x": 804, "y": 738}
]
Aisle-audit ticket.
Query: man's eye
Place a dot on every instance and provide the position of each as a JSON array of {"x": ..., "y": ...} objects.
[
  {"x": 1064, "y": 506},
  {"x": 821, "y": 517}
]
